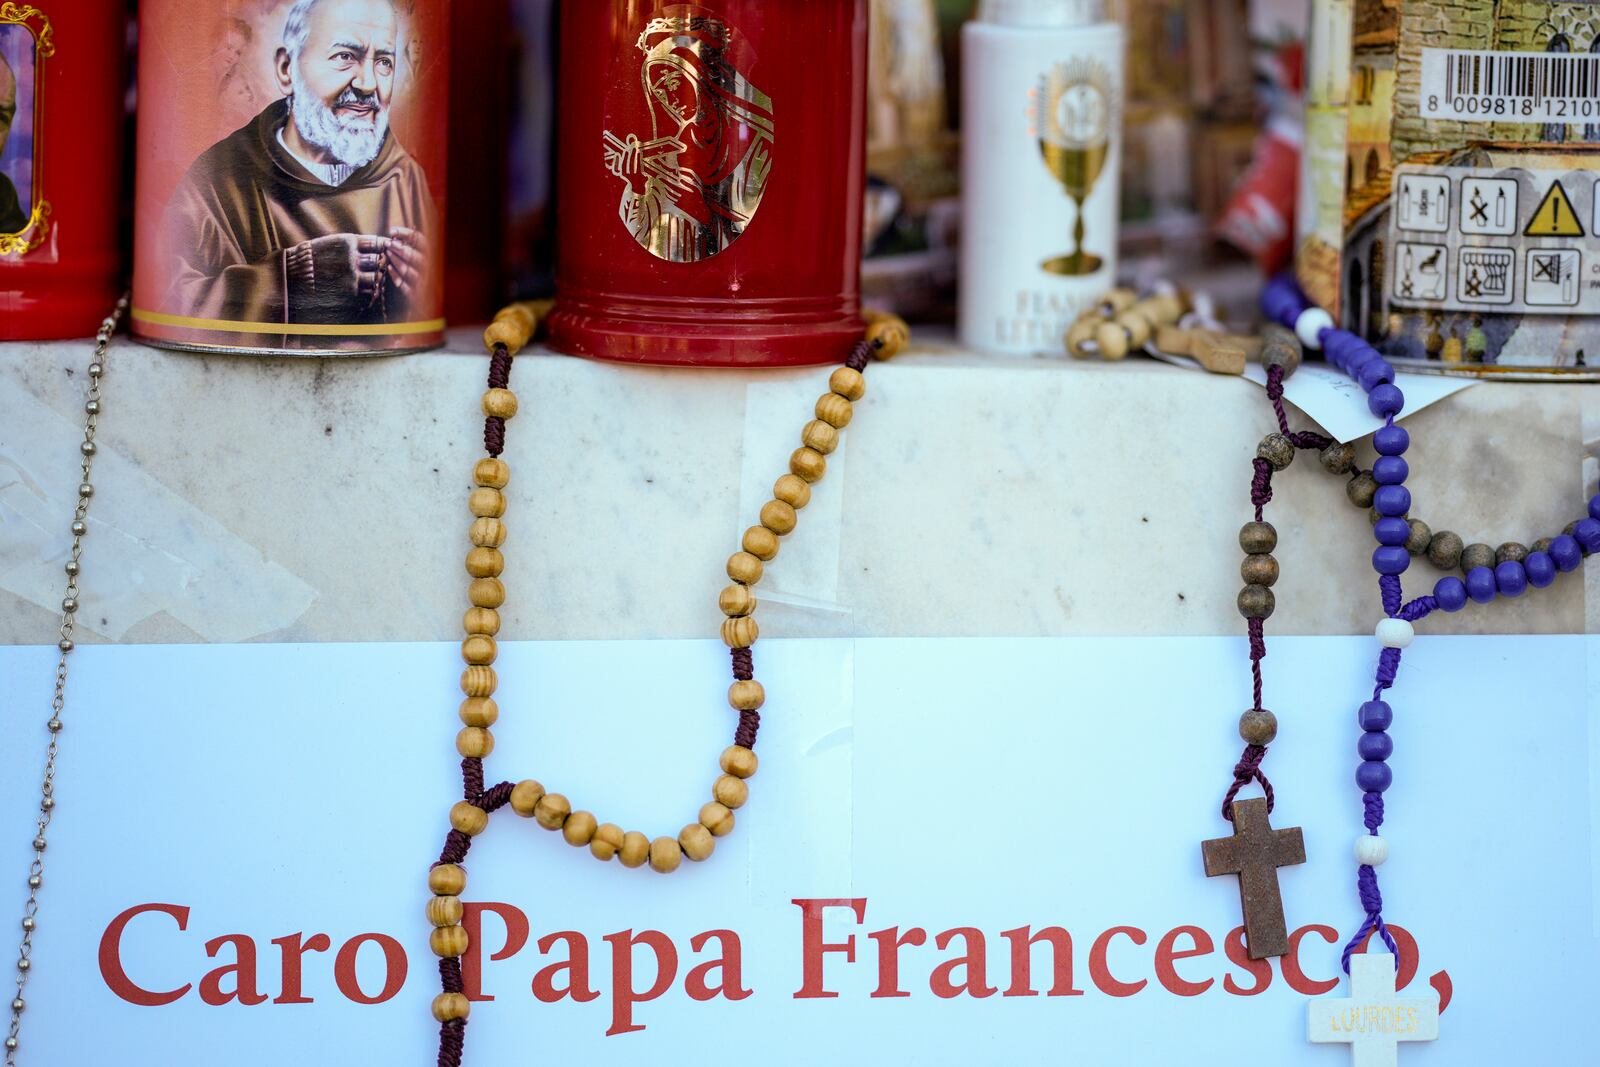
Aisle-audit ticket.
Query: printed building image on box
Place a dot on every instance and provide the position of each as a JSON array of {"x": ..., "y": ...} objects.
[{"x": 1449, "y": 201}]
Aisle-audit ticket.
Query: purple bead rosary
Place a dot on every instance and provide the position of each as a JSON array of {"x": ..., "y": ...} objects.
[{"x": 1284, "y": 303}]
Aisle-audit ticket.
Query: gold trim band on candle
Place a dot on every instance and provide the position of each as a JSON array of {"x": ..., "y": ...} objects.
[{"x": 298, "y": 329}]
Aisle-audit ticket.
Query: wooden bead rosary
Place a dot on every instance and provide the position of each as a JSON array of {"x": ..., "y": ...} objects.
[{"x": 513, "y": 328}]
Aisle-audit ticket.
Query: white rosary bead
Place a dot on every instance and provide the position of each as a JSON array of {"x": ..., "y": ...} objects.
[
  {"x": 1309, "y": 324},
  {"x": 1395, "y": 633},
  {"x": 1371, "y": 850}
]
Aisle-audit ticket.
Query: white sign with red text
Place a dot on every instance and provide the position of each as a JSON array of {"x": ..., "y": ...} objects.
[{"x": 955, "y": 852}]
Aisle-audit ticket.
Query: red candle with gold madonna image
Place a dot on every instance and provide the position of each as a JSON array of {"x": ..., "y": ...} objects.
[
  {"x": 291, "y": 160},
  {"x": 709, "y": 194}
]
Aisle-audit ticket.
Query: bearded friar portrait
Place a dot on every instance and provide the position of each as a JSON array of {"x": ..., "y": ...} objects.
[{"x": 312, "y": 212}]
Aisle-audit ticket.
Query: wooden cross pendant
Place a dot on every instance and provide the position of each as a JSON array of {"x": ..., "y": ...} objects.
[
  {"x": 1372, "y": 1020},
  {"x": 1254, "y": 853}
]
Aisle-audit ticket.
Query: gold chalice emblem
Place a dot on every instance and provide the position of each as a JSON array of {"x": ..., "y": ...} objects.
[{"x": 1074, "y": 119}]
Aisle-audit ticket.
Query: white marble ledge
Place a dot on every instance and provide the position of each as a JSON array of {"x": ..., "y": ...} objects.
[{"x": 244, "y": 499}]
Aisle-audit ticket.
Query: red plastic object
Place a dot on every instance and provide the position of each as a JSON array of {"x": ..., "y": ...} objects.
[
  {"x": 709, "y": 194},
  {"x": 62, "y": 272}
]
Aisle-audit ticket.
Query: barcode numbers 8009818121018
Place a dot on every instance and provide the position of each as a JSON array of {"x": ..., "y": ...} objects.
[{"x": 1510, "y": 86}]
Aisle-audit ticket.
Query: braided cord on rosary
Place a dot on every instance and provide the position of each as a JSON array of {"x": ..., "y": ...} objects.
[
  {"x": 513, "y": 328},
  {"x": 1510, "y": 577},
  {"x": 1260, "y": 571}
]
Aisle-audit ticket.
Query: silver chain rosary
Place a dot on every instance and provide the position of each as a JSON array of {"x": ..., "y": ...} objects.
[{"x": 69, "y": 611}]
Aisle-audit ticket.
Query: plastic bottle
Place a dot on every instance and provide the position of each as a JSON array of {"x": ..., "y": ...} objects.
[{"x": 1042, "y": 131}]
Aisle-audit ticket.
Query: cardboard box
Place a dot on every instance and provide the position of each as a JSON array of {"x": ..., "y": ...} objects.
[{"x": 1450, "y": 189}]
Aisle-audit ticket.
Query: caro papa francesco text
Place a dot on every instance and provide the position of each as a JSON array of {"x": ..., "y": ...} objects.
[{"x": 635, "y": 967}]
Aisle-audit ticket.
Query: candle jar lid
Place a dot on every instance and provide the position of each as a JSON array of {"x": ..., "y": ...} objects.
[{"x": 1041, "y": 14}]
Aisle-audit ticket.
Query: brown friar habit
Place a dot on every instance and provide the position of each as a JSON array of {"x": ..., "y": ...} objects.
[{"x": 242, "y": 220}]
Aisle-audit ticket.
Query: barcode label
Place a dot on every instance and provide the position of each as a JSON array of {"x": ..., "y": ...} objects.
[{"x": 1549, "y": 87}]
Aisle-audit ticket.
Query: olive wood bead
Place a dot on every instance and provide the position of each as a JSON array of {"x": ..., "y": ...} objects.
[
  {"x": 607, "y": 841},
  {"x": 1419, "y": 538},
  {"x": 552, "y": 810},
  {"x": 792, "y": 490},
  {"x": 1112, "y": 341},
  {"x": 478, "y": 681},
  {"x": 1258, "y": 727},
  {"x": 448, "y": 941},
  {"x": 818, "y": 435},
  {"x": 450, "y": 1006},
  {"x": 492, "y": 473},
  {"x": 506, "y": 332},
  {"x": 1475, "y": 556},
  {"x": 746, "y": 694},
  {"x": 517, "y": 318},
  {"x": 444, "y": 910},
  {"x": 1137, "y": 323},
  {"x": 738, "y": 761},
  {"x": 1444, "y": 550},
  {"x": 717, "y": 818},
  {"x": 834, "y": 410},
  {"x": 744, "y": 568},
  {"x": 474, "y": 742},
  {"x": 665, "y": 855},
  {"x": 448, "y": 879},
  {"x": 487, "y": 593},
  {"x": 487, "y": 532},
  {"x": 848, "y": 383},
  {"x": 481, "y": 621},
  {"x": 760, "y": 542},
  {"x": 890, "y": 334},
  {"x": 1118, "y": 300},
  {"x": 736, "y": 600},
  {"x": 485, "y": 562},
  {"x": 479, "y": 711},
  {"x": 479, "y": 649},
  {"x": 635, "y": 849},
  {"x": 730, "y": 791},
  {"x": 1165, "y": 307},
  {"x": 740, "y": 632},
  {"x": 1080, "y": 333},
  {"x": 1256, "y": 602},
  {"x": 525, "y": 797},
  {"x": 1514, "y": 551},
  {"x": 1277, "y": 450},
  {"x": 1258, "y": 537},
  {"x": 520, "y": 315},
  {"x": 778, "y": 517},
  {"x": 1260, "y": 569},
  {"x": 487, "y": 503},
  {"x": 468, "y": 818},
  {"x": 579, "y": 829},
  {"x": 1338, "y": 458},
  {"x": 1281, "y": 348},
  {"x": 696, "y": 842},
  {"x": 500, "y": 403},
  {"x": 808, "y": 463},
  {"x": 1362, "y": 489},
  {"x": 1543, "y": 544}
]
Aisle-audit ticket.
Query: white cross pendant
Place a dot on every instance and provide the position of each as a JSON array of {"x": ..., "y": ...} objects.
[{"x": 1372, "y": 1020}]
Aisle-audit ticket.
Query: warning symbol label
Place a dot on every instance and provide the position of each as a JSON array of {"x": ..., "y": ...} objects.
[
  {"x": 1554, "y": 216},
  {"x": 1504, "y": 240}
]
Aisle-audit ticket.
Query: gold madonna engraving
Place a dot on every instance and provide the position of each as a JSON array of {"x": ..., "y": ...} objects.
[
  {"x": 1075, "y": 112},
  {"x": 693, "y": 183}
]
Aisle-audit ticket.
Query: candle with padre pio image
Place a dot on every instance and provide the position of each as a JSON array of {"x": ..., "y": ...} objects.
[{"x": 291, "y": 167}]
